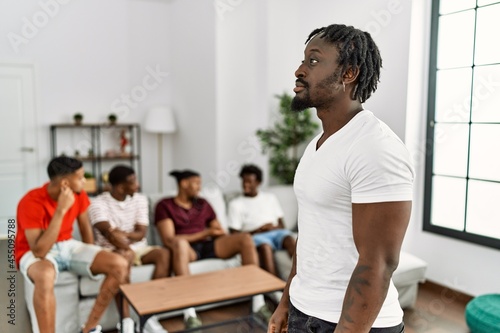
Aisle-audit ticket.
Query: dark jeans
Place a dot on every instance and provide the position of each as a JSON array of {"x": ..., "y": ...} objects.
[{"x": 299, "y": 322}]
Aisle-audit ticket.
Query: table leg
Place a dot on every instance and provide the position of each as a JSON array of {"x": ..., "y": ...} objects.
[
  {"x": 142, "y": 322},
  {"x": 120, "y": 305}
]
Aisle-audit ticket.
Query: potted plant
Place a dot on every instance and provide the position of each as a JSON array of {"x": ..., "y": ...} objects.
[
  {"x": 112, "y": 118},
  {"x": 283, "y": 139},
  {"x": 90, "y": 185},
  {"x": 78, "y": 118}
]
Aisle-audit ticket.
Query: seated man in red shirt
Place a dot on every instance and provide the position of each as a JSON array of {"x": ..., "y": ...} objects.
[
  {"x": 44, "y": 245},
  {"x": 189, "y": 227}
]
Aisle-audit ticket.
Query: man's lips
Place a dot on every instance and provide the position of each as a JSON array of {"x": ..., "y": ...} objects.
[{"x": 299, "y": 85}]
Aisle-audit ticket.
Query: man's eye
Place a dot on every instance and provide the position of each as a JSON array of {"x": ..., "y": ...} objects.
[{"x": 313, "y": 61}]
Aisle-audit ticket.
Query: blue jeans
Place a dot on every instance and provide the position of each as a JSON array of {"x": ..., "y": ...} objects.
[{"x": 299, "y": 322}]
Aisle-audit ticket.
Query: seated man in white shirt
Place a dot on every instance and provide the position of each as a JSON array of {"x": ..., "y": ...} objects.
[
  {"x": 260, "y": 214},
  {"x": 120, "y": 218}
]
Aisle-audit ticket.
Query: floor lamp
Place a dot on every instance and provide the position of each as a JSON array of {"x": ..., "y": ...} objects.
[{"x": 160, "y": 120}]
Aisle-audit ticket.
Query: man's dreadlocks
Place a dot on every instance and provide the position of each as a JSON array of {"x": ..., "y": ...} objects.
[{"x": 357, "y": 50}]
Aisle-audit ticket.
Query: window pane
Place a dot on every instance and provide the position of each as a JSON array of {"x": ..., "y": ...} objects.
[
  {"x": 486, "y": 2},
  {"x": 483, "y": 210},
  {"x": 485, "y": 152},
  {"x": 486, "y": 98},
  {"x": 448, "y": 202},
  {"x": 455, "y": 40},
  {"x": 450, "y": 6},
  {"x": 450, "y": 149},
  {"x": 453, "y": 89},
  {"x": 488, "y": 25}
]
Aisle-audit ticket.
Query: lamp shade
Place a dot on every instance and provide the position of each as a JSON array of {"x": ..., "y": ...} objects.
[{"x": 160, "y": 119}]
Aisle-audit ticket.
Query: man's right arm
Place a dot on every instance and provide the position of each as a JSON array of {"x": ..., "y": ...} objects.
[
  {"x": 166, "y": 229},
  {"x": 279, "y": 320},
  {"x": 116, "y": 237},
  {"x": 41, "y": 241}
]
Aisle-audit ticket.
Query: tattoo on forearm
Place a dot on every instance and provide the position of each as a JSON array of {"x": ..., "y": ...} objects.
[
  {"x": 358, "y": 281},
  {"x": 355, "y": 287}
]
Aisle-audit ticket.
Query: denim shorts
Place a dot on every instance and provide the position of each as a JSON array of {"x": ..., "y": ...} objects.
[
  {"x": 299, "y": 322},
  {"x": 274, "y": 238},
  {"x": 69, "y": 255}
]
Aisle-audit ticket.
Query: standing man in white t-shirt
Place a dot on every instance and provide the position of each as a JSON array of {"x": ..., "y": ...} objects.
[
  {"x": 354, "y": 190},
  {"x": 121, "y": 219},
  {"x": 260, "y": 214}
]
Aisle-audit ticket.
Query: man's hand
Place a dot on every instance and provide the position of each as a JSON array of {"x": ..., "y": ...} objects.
[
  {"x": 119, "y": 239},
  {"x": 267, "y": 227},
  {"x": 65, "y": 200},
  {"x": 215, "y": 231},
  {"x": 279, "y": 320}
]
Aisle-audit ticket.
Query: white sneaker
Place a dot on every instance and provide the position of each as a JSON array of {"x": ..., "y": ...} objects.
[
  {"x": 128, "y": 326},
  {"x": 97, "y": 329},
  {"x": 154, "y": 326}
]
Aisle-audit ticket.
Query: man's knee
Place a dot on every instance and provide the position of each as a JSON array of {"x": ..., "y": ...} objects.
[
  {"x": 43, "y": 274},
  {"x": 118, "y": 267},
  {"x": 246, "y": 239},
  {"x": 180, "y": 245}
]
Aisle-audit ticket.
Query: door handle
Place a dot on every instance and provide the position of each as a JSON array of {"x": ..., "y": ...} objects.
[{"x": 27, "y": 149}]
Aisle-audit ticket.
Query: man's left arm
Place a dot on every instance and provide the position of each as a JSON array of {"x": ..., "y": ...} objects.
[
  {"x": 138, "y": 233},
  {"x": 378, "y": 231},
  {"x": 85, "y": 228},
  {"x": 141, "y": 218}
]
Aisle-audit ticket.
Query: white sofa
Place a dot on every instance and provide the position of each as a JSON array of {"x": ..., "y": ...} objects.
[{"x": 76, "y": 296}]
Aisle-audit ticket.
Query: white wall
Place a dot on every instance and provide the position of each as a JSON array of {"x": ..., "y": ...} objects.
[
  {"x": 87, "y": 54},
  {"x": 463, "y": 266},
  {"x": 260, "y": 45}
]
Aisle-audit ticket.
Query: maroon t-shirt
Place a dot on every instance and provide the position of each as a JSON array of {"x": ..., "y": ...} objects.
[{"x": 186, "y": 221}]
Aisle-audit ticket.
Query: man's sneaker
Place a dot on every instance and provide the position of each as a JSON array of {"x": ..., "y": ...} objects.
[
  {"x": 192, "y": 322},
  {"x": 97, "y": 329},
  {"x": 128, "y": 326},
  {"x": 154, "y": 326},
  {"x": 264, "y": 313}
]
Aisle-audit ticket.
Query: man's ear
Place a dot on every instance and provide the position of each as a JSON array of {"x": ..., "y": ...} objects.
[
  {"x": 64, "y": 182},
  {"x": 350, "y": 75}
]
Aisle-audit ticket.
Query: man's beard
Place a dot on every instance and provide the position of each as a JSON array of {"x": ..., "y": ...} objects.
[{"x": 300, "y": 104}]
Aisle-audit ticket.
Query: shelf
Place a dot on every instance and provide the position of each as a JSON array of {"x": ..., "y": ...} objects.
[
  {"x": 107, "y": 158},
  {"x": 95, "y": 135},
  {"x": 92, "y": 125}
]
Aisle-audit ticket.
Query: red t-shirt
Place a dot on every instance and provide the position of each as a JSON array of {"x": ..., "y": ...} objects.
[
  {"x": 35, "y": 210},
  {"x": 186, "y": 221}
]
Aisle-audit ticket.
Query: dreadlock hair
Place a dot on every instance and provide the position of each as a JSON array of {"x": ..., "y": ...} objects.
[
  {"x": 118, "y": 175},
  {"x": 357, "y": 50},
  {"x": 251, "y": 169},
  {"x": 63, "y": 166}
]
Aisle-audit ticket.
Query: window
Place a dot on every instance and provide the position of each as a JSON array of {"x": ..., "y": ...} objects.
[{"x": 462, "y": 185}]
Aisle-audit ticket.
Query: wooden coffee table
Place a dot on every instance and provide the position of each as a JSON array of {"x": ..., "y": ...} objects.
[{"x": 181, "y": 292}]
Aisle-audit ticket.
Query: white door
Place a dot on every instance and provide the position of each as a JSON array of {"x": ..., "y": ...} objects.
[{"x": 18, "y": 149}]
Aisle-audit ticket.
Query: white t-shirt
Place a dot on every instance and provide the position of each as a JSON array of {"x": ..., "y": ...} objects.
[
  {"x": 122, "y": 215},
  {"x": 363, "y": 162},
  {"x": 251, "y": 213}
]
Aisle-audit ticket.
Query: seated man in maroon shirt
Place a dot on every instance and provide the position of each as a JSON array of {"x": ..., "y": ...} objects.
[{"x": 189, "y": 227}]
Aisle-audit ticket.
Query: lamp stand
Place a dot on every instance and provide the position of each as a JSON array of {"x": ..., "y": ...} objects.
[{"x": 160, "y": 162}]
